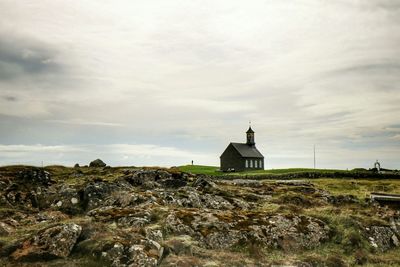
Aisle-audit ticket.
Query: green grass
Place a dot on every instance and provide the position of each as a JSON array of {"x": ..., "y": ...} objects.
[
  {"x": 199, "y": 169},
  {"x": 359, "y": 188},
  {"x": 213, "y": 170}
]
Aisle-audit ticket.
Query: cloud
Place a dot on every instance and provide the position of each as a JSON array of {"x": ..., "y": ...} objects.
[
  {"x": 113, "y": 154},
  {"x": 395, "y": 137},
  {"x": 10, "y": 98},
  {"x": 21, "y": 57},
  {"x": 367, "y": 69},
  {"x": 87, "y": 123},
  {"x": 38, "y": 148},
  {"x": 190, "y": 75}
]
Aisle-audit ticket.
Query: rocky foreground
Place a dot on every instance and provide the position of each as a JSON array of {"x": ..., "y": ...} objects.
[{"x": 102, "y": 216}]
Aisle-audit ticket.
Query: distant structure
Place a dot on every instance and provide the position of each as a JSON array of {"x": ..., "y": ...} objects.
[
  {"x": 242, "y": 156},
  {"x": 377, "y": 166}
]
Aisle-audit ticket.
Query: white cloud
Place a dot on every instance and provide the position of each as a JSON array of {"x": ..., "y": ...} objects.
[
  {"x": 113, "y": 154},
  {"x": 88, "y": 123}
]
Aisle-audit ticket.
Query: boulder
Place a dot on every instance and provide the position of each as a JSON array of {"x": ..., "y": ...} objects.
[
  {"x": 68, "y": 200},
  {"x": 19, "y": 195},
  {"x": 95, "y": 194},
  {"x": 182, "y": 245},
  {"x": 173, "y": 183},
  {"x": 395, "y": 225},
  {"x": 97, "y": 163},
  {"x": 203, "y": 183},
  {"x": 50, "y": 243},
  {"x": 35, "y": 175},
  {"x": 142, "y": 252},
  {"x": 382, "y": 238}
]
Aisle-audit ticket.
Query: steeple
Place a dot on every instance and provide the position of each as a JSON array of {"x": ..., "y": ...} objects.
[{"x": 250, "y": 137}]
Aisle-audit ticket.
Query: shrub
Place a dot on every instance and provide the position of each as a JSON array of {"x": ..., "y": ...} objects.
[
  {"x": 335, "y": 261},
  {"x": 352, "y": 241},
  {"x": 361, "y": 257}
]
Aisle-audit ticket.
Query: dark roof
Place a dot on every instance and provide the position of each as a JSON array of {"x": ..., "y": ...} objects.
[
  {"x": 250, "y": 130},
  {"x": 247, "y": 151}
]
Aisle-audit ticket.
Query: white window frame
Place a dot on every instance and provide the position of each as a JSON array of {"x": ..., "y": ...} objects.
[
  {"x": 251, "y": 163},
  {"x": 247, "y": 163},
  {"x": 256, "y": 164}
]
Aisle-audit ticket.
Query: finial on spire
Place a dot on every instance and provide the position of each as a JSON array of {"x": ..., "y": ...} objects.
[{"x": 249, "y": 123}]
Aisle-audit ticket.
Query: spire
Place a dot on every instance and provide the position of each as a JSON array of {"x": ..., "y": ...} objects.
[
  {"x": 250, "y": 130},
  {"x": 250, "y": 136}
]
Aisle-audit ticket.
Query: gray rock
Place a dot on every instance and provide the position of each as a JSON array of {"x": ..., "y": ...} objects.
[
  {"x": 278, "y": 231},
  {"x": 173, "y": 183},
  {"x": 154, "y": 234},
  {"x": 382, "y": 238},
  {"x": 295, "y": 232},
  {"x": 68, "y": 200},
  {"x": 143, "y": 177},
  {"x": 97, "y": 163},
  {"x": 142, "y": 253},
  {"x": 36, "y": 175},
  {"x": 50, "y": 243},
  {"x": 189, "y": 197},
  {"x": 203, "y": 182},
  {"x": 182, "y": 245},
  {"x": 96, "y": 194},
  {"x": 151, "y": 179}
]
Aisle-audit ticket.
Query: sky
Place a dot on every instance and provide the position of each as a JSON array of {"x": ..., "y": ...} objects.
[{"x": 162, "y": 83}]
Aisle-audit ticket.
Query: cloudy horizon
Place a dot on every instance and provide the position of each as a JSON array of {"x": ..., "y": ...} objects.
[{"x": 166, "y": 82}]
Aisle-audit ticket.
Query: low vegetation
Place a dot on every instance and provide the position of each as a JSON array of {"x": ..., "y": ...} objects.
[
  {"x": 213, "y": 170},
  {"x": 193, "y": 216}
]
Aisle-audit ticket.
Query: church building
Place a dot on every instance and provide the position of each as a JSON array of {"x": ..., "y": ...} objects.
[{"x": 242, "y": 156}]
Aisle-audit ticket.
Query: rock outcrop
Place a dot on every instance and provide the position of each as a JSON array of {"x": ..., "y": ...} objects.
[
  {"x": 382, "y": 238},
  {"x": 221, "y": 230},
  {"x": 158, "y": 217},
  {"x": 47, "y": 244},
  {"x": 97, "y": 163}
]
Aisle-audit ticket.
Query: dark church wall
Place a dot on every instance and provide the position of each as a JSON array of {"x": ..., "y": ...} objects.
[{"x": 231, "y": 159}]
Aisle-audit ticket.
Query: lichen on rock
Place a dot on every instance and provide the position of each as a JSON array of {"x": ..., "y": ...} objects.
[{"x": 53, "y": 242}]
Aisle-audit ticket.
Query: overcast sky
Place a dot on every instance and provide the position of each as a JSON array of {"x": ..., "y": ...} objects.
[{"x": 167, "y": 82}]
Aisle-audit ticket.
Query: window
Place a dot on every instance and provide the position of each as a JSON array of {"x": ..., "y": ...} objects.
[
  {"x": 251, "y": 163},
  {"x": 261, "y": 164},
  {"x": 256, "y": 164},
  {"x": 247, "y": 163}
]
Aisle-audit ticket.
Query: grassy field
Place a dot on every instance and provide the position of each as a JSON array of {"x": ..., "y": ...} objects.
[{"x": 212, "y": 170}]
